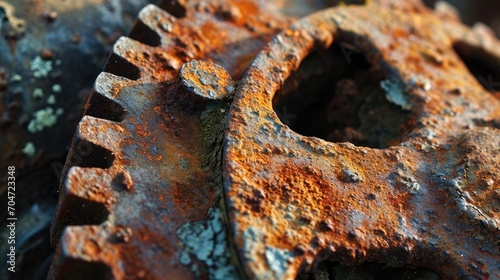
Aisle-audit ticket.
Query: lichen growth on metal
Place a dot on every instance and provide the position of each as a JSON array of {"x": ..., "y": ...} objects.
[
  {"x": 29, "y": 149},
  {"x": 206, "y": 240},
  {"x": 16, "y": 78},
  {"x": 51, "y": 100},
  {"x": 44, "y": 118},
  {"x": 40, "y": 68},
  {"x": 396, "y": 93},
  {"x": 56, "y": 88},
  {"x": 37, "y": 93},
  {"x": 277, "y": 259}
]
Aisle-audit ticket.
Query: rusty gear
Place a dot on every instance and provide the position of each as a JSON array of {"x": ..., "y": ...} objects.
[{"x": 177, "y": 179}]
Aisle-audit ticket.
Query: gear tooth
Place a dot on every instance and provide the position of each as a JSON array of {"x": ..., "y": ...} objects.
[
  {"x": 110, "y": 86},
  {"x": 85, "y": 199},
  {"x": 157, "y": 19},
  {"x": 100, "y": 132},
  {"x": 85, "y": 253},
  {"x": 89, "y": 243},
  {"x": 113, "y": 98},
  {"x": 125, "y": 48},
  {"x": 92, "y": 184}
]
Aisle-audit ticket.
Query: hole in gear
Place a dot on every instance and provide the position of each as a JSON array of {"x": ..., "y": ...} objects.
[
  {"x": 339, "y": 98},
  {"x": 144, "y": 34},
  {"x": 87, "y": 154},
  {"x": 481, "y": 65},
  {"x": 119, "y": 66},
  {"x": 174, "y": 7},
  {"x": 83, "y": 212},
  {"x": 83, "y": 270},
  {"x": 102, "y": 107},
  {"x": 371, "y": 271}
]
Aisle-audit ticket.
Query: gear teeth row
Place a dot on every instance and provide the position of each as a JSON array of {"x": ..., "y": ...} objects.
[{"x": 87, "y": 195}]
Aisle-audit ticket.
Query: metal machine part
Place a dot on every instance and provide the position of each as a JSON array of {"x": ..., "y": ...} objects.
[
  {"x": 170, "y": 177},
  {"x": 428, "y": 197}
]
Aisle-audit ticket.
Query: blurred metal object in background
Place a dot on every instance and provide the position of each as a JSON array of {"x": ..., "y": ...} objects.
[{"x": 472, "y": 12}]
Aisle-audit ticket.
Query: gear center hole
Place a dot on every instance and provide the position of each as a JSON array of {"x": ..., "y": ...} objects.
[{"x": 336, "y": 95}]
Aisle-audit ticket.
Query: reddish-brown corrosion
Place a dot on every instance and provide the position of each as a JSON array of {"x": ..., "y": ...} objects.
[
  {"x": 431, "y": 199},
  {"x": 150, "y": 161}
]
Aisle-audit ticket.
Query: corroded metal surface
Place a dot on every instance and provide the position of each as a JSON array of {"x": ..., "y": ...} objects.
[
  {"x": 150, "y": 187},
  {"x": 141, "y": 195},
  {"x": 429, "y": 198}
]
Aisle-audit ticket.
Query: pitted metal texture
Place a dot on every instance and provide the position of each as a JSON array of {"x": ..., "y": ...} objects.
[{"x": 429, "y": 198}]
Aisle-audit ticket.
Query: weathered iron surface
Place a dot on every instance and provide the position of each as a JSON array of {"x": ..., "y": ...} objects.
[
  {"x": 141, "y": 196},
  {"x": 429, "y": 198},
  {"x": 163, "y": 161}
]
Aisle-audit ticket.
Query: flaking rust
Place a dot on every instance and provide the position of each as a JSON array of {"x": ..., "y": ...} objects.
[{"x": 169, "y": 177}]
